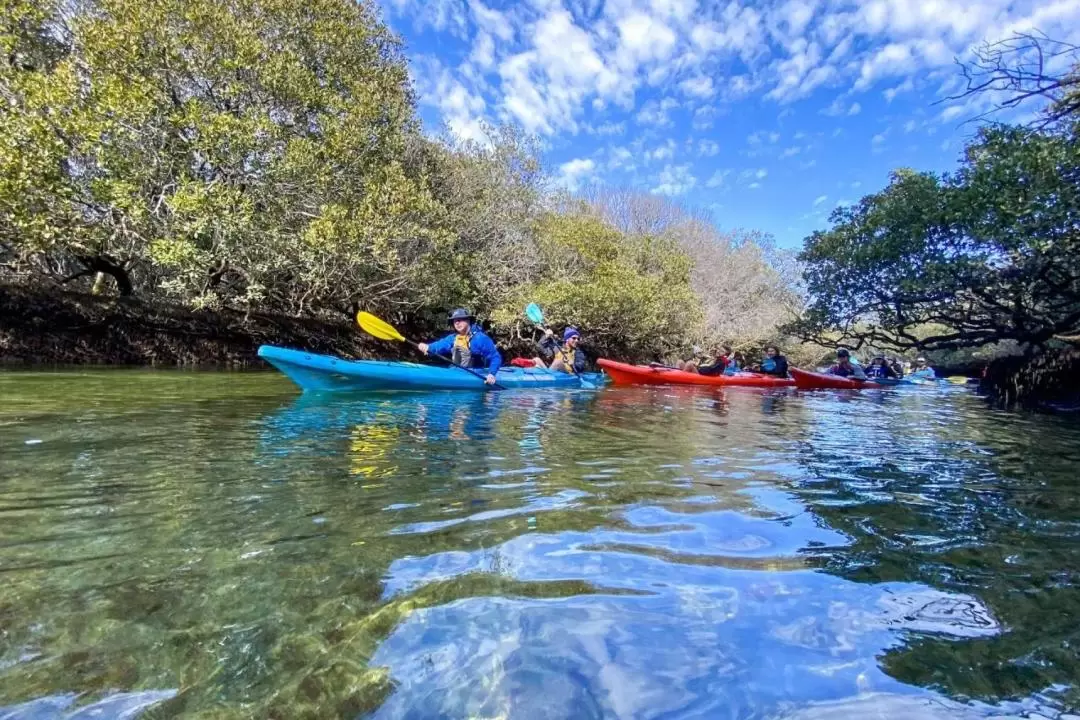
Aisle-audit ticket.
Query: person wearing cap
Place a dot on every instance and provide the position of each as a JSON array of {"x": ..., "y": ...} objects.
[
  {"x": 567, "y": 358},
  {"x": 923, "y": 371},
  {"x": 468, "y": 346},
  {"x": 844, "y": 367},
  {"x": 879, "y": 369}
]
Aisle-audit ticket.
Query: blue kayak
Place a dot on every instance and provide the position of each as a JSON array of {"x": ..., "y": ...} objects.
[{"x": 326, "y": 372}]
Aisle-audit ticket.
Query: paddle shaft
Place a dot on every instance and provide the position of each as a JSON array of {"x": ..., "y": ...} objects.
[{"x": 450, "y": 362}]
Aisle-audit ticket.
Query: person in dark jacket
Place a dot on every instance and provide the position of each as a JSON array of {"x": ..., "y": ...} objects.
[
  {"x": 565, "y": 358},
  {"x": 774, "y": 363},
  {"x": 879, "y": 369},
  {"x": 468, "y": 346},
  {"x": 844, "y": 367}
]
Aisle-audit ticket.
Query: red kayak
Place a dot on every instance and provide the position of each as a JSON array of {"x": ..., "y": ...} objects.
[
  {"x": 805, "y": 380},
  {"x": 624, "y": 374}
]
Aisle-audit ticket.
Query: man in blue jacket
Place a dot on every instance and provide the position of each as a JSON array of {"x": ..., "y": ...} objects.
[{"x": 467, "y": 346}]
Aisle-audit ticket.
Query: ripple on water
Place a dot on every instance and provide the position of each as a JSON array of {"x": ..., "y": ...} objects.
[{"x": 630, "y": 553}]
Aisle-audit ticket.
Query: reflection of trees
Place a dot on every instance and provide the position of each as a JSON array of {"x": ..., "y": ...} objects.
[{"x": 977, "y": 503}]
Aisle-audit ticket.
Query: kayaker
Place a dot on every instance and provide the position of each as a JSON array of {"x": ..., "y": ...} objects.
[
  {"x": 880, "y": 369},
  {"x": 923, "y": 371},
  {"x": 723, "y": 364},
  {"x": 566, "y": 358},
  {"x": 897, "y": 367},
  {"x": 774, "y": 363},
  {"x": 467, "y": 346},
  {"x": 844, "y": 367}
]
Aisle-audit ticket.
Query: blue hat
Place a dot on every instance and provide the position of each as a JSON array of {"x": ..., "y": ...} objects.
[
  {"x": 461, "y": 314},
  {"x": 569, "y": 333}
]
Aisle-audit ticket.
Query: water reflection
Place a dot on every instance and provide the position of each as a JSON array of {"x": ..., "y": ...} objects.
[{"x": 626, "y": 553}]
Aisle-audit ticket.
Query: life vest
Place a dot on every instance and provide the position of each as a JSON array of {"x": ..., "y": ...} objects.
[
  {"x": 768, "y": 364},
  {"x": 567, "y": 355},
  {"x": 877, "y": 371},
  {"x": 462, "y": 353}
]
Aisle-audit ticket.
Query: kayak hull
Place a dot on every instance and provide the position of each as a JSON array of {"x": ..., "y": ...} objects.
[
  {"x": 805, "y": 380},
  {"x": 626, "y": 374},
  {"x": 322, "y": 373}
]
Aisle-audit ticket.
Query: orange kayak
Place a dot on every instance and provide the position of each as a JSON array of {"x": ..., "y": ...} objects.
[{"x": 624, "y": 374}]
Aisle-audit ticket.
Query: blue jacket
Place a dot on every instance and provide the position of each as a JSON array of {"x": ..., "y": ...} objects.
[{"x": 484, "y": 352}]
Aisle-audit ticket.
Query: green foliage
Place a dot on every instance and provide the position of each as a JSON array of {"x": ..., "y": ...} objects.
[
  {"x": 266, "y": 154},
  {"x": 989, "y": 253},
  {"x": 239, "y": 152},
  {"x": 631, "y": 294}
]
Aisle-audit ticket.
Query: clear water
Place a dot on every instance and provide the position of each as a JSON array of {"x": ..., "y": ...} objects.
[{"x": 209, "y": 545}]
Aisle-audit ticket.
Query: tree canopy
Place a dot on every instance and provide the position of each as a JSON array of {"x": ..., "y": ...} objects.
[
  {"x": 987, "y": 253},
  {"x": 267, "y": 154}
]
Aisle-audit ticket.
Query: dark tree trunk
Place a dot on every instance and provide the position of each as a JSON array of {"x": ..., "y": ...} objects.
[{"x": 117, "y": 271}]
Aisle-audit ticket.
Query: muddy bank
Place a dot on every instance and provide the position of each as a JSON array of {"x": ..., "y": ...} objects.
[
  {"x": 50, "y": 327},
  {"x": 1048, "y": 379}
]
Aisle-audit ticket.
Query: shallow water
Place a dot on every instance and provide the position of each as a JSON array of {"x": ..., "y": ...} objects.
[{"x": 211, "y": 545}]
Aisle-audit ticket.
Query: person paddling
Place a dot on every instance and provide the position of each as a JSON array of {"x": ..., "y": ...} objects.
[
  {"x": 879, "y": 369},
  {"x": 923, "y": 371},
  {"x": 723, "y": 364},
  {"x": 467, "y": 346},
  {"x": 844, "y": 367},
  {"x": 774, "y": 363},
  {"x": 568, "y": 358}
]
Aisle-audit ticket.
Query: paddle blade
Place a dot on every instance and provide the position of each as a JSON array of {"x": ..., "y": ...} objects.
[
  {"x": 377, "y": 328},
  {"x": 534, "y": 313}
]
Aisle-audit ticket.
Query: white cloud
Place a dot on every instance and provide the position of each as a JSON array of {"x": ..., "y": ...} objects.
[
  {"x": 760, "y": 137},
  {"x": 575, "y": 172},
  {"x": 621, "y": 158},
  {"x": 820, "y": 199},
  {"x": 708, "y": 148},
  {"x": 662, "y": 152},
  {"x": 675, "y": 180},
  {"x": 907, "y": 86},
  {"x": 559, "y": 69},
  {"x": 719, "y": 178},
  {"x": 656, "y": 113},
  {"x": 700, "y": 86},
  {"x": 754, "y": 185},
  {"x": 611, "y": 129},
  {"x": 791, "y": 151},
  {"x": 703, "y": 117}
]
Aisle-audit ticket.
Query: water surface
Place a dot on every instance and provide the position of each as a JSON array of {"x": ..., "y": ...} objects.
[{"x": 213, "y": 545}]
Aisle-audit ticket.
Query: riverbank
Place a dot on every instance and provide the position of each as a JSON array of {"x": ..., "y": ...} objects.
[{"x": 66, "y": 328}]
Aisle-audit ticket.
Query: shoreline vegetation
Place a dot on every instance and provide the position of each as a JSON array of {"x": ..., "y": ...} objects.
[{"x": 181, "y": 181}]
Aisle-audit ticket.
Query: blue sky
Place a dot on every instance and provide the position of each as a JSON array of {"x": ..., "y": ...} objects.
[{"x": 766, "y": 114}]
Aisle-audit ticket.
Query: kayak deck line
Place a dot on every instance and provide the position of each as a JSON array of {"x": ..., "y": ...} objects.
[{"x": 316, "y": 372}]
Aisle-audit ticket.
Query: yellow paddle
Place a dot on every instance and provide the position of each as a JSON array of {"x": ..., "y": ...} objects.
[{"x": 383, "y": 330}]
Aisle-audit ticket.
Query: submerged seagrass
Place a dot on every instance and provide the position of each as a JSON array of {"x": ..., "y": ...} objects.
[{"x": 209, "y": 545}]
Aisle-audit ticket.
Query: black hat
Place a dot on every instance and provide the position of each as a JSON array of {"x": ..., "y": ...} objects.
[
  {"x": 842, "y": 352},
  {"x": 461, "y": 314}
]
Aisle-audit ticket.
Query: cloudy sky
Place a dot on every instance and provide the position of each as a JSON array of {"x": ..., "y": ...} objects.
[{"x": 768, "y": 114}]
